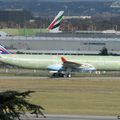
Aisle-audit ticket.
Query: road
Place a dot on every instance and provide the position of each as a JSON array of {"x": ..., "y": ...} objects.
[{"x": 71, "y": 117}]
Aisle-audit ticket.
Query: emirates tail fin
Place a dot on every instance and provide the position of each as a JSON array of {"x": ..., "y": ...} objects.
[{"x": 55, "y": 25}]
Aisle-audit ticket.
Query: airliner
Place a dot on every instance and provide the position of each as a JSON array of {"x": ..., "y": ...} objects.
[
  {"x": 60, "y": 65},
  {"x": 55, "y": 24}
]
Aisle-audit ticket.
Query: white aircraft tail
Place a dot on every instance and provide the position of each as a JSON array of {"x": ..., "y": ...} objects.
[{"x": 55, "y": 25}]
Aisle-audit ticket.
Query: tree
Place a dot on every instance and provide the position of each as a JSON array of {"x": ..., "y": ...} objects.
[
  {"x": 14, "y": 103},
  {"x": 104, "y": 51}
]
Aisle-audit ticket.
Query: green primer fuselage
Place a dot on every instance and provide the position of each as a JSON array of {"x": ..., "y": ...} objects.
[{"x": 43, "y": 61}]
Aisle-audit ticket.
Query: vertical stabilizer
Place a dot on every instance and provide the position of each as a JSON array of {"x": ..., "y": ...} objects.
[
  {"x": 55, "y": 25},
  {"x": 3, "y": 50}
]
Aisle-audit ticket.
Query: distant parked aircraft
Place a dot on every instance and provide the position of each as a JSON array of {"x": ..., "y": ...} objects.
[
  {"x": 55, "y": 25},
  {"x": 4, "y": 34}
]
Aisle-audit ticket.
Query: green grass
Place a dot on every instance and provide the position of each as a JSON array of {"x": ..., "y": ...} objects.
[
  {"x": 23, "y": 32},
  {"x": 82, "y": 97}
]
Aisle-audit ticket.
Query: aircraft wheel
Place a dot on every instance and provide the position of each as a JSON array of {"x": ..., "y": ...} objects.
[
  {"x": 68, "y": 75},
  {"x": 60, "y": 74},
  {"x": 55, "y": 75}
]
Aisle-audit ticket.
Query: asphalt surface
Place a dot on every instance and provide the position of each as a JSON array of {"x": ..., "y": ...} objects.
[
  {"x": 70, "y": 117},
  {"x": 47, "y": 78}
]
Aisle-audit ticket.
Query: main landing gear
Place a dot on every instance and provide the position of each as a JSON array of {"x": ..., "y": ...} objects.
[{"x": 65, "y": 75}]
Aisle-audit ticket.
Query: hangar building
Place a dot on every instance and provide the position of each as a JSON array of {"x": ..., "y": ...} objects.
[{"x": 79, "y": 43}]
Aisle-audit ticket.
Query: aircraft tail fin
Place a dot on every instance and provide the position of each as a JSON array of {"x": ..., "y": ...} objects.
[
  {"x": 55, "y": 25},
  {"x": 3, "y": 50}
]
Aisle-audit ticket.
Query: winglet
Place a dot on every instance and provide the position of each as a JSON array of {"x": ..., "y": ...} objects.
[{"x": 63, "y": 59}]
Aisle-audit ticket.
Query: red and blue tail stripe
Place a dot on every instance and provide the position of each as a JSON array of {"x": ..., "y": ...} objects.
[{"x": 3, "y": 50}]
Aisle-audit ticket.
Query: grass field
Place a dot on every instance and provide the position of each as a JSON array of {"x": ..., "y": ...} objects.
[
  {"x": 81, "y": 97},
  {"x": 23, "y": 32}
]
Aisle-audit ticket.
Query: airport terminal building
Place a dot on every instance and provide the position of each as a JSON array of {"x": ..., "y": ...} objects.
[{"x": 74, "y": 43}]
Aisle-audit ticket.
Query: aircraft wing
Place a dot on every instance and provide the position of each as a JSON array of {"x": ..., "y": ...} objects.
[{"x": 79, "y": 66}]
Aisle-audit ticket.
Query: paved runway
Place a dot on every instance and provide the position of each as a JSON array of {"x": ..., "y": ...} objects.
[
  {"x": 47, "y": 78},
  {"x": 72, "y": 117}
]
